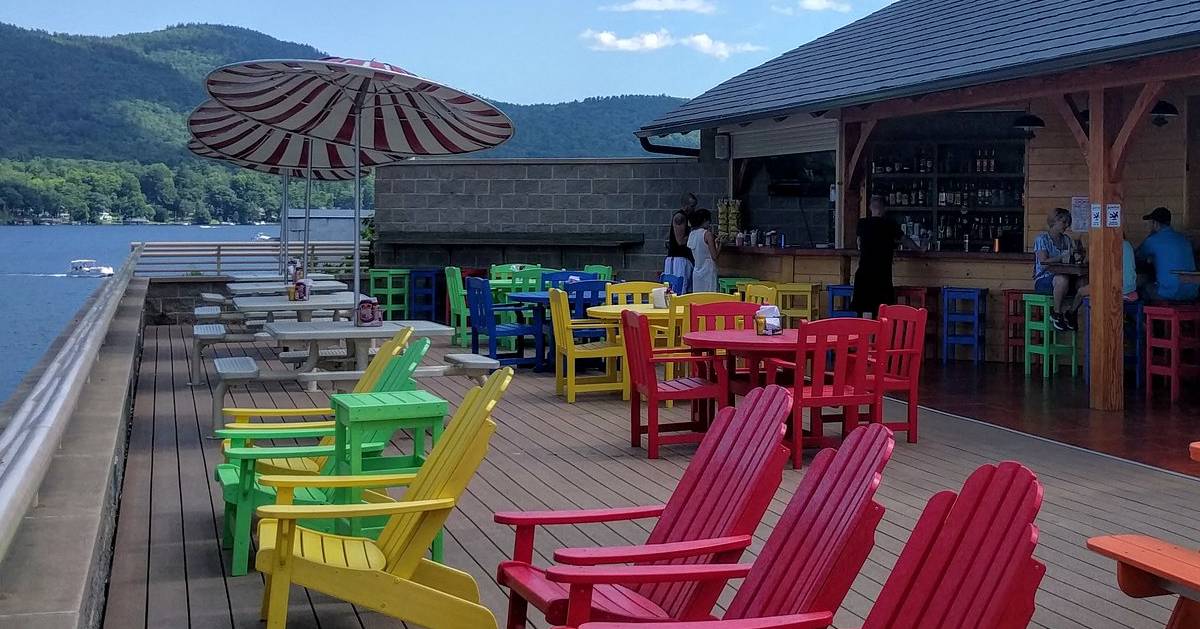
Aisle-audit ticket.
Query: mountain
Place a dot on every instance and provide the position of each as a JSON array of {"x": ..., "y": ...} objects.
[{"x": 125, "y": 97}]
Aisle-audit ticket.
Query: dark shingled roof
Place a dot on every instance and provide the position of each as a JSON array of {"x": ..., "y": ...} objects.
[{"x": 920, "y": 46}]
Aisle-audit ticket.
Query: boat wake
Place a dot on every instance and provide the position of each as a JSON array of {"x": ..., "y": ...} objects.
[{"x": 35, "y": 274}]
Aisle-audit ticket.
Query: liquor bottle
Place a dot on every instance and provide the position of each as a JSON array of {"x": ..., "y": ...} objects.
[{"x": 941, "y": 198}]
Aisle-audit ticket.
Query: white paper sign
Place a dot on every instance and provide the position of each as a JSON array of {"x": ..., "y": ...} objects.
[
  {"x": 1079, "y": 212},
  {"x": 1096, "y": 216},
  {"x": 1112, "y": 215}
]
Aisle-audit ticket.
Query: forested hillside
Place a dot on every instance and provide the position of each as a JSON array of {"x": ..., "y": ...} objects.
[{"x": 83, "y": 119}]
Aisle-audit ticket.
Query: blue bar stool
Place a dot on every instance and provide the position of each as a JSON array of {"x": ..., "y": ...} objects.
[
  {"x": 840, "y": 296},
  {"x": 423, "y": 294},
  {"x": 1135, "y": 338},
  {"x": 964, "y": 321}
]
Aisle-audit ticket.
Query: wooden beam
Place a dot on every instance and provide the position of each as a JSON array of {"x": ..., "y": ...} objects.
[
  {"x": 852, "y": 146},
  {"x": 1070, "y": 116},
  {"x": 1104, "y": 256},
  {"x": 1137, "y": 116},
  {"x": 1165, "y": 67},
  {"x": 855, "y": 163}
]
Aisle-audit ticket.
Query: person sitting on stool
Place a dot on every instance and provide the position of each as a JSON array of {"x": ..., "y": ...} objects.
[{"x": 1166, "y": 251}]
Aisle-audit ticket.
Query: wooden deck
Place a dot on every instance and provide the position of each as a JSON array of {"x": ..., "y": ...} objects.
[{"x": 169, "y": 570}]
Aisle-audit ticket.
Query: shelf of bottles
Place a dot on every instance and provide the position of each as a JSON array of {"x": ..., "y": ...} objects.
[{"x": 960, "y": 196}]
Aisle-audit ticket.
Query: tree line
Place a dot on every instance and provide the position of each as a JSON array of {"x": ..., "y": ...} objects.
[{"x": 194, "y": 191}]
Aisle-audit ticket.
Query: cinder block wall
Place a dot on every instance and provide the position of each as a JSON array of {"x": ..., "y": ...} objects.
[{"x": 559, "y": 197}]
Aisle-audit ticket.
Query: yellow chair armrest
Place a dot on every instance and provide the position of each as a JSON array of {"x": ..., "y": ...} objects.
[
  {"x": 280, "y": 426},
  {"x": 303, "y": 512},
  {"x": 329, "y": 482},
  {"x": 587, "y": 324},
  {"x": 242, "y": 414}
]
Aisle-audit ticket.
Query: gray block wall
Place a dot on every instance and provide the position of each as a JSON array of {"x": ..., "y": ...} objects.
[{"x": 558, "y": 197}]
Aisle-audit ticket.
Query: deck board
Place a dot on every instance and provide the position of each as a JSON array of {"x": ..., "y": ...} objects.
[{"x": 169, "y": 570}]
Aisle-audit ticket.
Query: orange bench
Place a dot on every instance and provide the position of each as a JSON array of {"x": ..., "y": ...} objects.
[{"x": 1151, "y": 567}]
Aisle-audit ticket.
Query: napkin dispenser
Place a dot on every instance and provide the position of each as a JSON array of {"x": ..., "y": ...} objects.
[
  {"x": 368, "y": 315},
  {"x": 767, "y": 321},
  {"x": 658, "y": 297}
]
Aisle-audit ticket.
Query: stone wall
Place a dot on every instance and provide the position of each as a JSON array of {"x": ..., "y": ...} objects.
[
  {"x": 171, "y": 300},
  {"x": 557, "y": 198}
]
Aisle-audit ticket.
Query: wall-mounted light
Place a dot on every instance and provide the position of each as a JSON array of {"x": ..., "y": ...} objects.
[{"x": 1162, "y": 113}]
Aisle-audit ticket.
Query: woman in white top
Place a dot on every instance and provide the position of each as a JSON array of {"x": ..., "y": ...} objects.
[{"x": 705, "y": 250}]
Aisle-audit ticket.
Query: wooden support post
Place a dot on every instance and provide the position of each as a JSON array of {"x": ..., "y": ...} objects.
[
  {"x": 852, "y": 147},
  {"x": 1107, "y": 342}
]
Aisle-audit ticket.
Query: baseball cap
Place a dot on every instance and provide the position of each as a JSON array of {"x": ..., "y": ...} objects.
[{"x": 1159, "y": 215}]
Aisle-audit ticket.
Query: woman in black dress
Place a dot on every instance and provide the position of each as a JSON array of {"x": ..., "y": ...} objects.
[{"x": 878, "y": 236}]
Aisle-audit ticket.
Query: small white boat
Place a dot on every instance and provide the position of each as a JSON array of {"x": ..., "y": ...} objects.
[
  {"x": 262, "y": 236},
  {"x": 89, "y": 268}
]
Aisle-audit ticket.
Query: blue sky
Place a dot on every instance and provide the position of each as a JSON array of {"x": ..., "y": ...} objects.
[{"x": 522, "y": 51}]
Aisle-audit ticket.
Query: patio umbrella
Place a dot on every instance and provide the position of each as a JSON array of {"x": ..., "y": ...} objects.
[
  {"x": 220, "y": 133},
  {"x": 327, "y": 99}
]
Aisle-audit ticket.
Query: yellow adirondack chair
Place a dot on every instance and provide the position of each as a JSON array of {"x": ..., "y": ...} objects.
[
  {"x": 391, "y": 576},
  {"x": 312, "y": 465},
  {"x": 567, "y": 351}
]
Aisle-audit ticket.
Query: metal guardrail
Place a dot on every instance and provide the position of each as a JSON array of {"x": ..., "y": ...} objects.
[
  {"x": 31, "y": 436},
  {"x": 217, "y": 258}
]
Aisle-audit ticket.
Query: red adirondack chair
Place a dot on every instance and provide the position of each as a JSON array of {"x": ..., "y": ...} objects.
[
  {"x": 707, "y": 382},
  {"x": 709, "y": 519},
  {"x": 828, "y": 374},
  {"x": 812, "y": 556},
  {"x": 967, "y": 565},
  {"x": 899, "y": 366},
  {"x": 729, "y": 315}
]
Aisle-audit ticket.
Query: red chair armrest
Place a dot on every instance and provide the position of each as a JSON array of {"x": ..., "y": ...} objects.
[
  {"x": 580, "y": 516},
  {"x": 649, "y": 552},
  {"x": 592, "y": 575},
  {"x": 816, "y": 620}
]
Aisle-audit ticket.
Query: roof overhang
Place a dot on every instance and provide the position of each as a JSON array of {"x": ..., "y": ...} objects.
[{"x": 1016, "y": 71}]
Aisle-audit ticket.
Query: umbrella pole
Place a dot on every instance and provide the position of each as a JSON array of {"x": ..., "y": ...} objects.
[
  {"x": 307, "y": 207},
  {"x": 357, "y": 203},
  {"x": 283, "y": 232}
]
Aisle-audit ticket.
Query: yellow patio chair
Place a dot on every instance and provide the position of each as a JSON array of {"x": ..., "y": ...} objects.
[
  {"x": 392, "y": 575},
  {"x": 760, "y": 294},
  {"x": 678, "y": 321},
  {"x": 567, "y": 351},
  {"x": 366, "y": 383},
  {"x": 799, "y": 301},
  {"x": 630, "y": 292}
]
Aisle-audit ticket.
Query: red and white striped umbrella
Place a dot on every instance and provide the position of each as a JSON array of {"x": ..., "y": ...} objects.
[
  {"x": 367, "y": 104},
  {"x": 323, "y": 99},
  {"x": 221, "y": 133}
]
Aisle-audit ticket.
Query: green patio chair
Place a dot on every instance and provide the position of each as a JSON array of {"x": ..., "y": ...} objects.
[
  {"x": 602, "y": 271},
  {"x": 456, "y": 292}
]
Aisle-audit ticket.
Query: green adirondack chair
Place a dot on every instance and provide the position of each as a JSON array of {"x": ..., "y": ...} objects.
[
  {"x": 239, "y": 483},
  {"x": 459, "y": 314},
  {"x": 602, "y": 271}
]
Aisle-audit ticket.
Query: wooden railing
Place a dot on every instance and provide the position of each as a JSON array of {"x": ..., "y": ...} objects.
[{"x": 178, "y": 259}]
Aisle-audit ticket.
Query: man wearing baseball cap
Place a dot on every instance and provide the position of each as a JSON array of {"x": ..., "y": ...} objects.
[{"x": 1166, "y": 251}]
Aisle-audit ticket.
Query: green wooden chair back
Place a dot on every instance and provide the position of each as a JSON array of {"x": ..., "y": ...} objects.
[
  {"x": 528, "y": 280},
  {"x": 455, "y": 291},
  {"x": 398, "y": 375},
  {"x": 506, "y": 271},
  {"x": 450, "y": 466},
  {"x": 602, "y": 271}
]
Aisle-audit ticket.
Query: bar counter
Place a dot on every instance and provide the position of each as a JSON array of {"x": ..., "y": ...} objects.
[{"x": 931, "y": 269}]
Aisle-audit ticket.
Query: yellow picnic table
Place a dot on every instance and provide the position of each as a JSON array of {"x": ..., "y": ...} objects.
[{"x": 613, "y": 312}]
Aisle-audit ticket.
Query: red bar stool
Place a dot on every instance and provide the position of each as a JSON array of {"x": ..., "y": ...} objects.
[
  {"x": 1014, "y": 324},
  {"x": 1172, "y": 345}
]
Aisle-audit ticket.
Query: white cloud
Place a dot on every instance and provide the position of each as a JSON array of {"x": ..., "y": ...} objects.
[
  {"x": 690, "y": 6},
  {"x": 812, "y": 5},
  {"x": 662, "y": 38},
  {"x": 642, "y": 42}
]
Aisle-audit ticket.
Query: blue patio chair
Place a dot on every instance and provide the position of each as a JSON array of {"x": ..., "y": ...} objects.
[
  {"x": 584, "y": 295},
  {"x": 558, "y": 279},
  {"x": 674, "y": 281},
  {"x": 483, "y": 322}
]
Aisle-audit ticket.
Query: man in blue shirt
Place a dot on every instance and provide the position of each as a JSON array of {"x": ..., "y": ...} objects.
[{"x": 1167, "y": 251}]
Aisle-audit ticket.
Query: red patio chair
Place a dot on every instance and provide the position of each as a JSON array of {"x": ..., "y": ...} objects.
[
  {"x": 899, "y": 366},
  {"x": 729, "y": 315},
  {"x": 812, "y": 556},
  {"x": 968, "y": 563},
  {"x": 827, "y": 374},
  {"x": 707, "y": 382},
  {"x": 708, "y": 519}
]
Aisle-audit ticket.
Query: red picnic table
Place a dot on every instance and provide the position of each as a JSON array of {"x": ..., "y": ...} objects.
[{"x": 1147, "y": 566}]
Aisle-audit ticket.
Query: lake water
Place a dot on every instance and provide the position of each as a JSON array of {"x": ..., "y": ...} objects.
[{"x": 39, "y": 299}]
